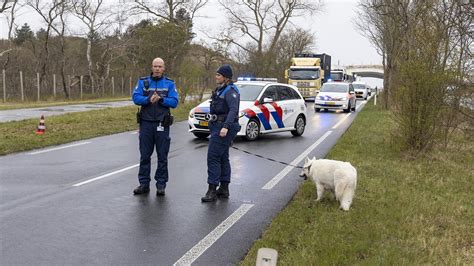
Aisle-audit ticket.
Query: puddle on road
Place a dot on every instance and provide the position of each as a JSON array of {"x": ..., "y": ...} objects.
[{"x": 51, "y": 110}]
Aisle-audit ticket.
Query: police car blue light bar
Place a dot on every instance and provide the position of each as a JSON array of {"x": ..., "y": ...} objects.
[{"x": 256, "y": 79}]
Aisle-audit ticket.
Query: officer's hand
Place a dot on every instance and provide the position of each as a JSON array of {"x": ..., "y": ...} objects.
[
  {"x": 223, "y": 132},
  {"x": 154, "y": 98}
]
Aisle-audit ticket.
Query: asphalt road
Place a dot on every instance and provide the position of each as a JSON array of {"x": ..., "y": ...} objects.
[
  {"x": 73, "y": 204},
  {"x": 21, "y": 114}
]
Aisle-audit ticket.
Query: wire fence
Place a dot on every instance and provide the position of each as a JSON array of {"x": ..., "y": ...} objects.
[{"x": 18, "y": 87}]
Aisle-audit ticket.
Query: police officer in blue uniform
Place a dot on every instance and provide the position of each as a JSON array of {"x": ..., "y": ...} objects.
[
  {"x": 224, "y": 126},
  {"x": 156, "y": 94}
]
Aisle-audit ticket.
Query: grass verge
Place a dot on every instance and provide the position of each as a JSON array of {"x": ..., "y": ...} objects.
[
  {"x": 405, "y": 211},
  {"x": 20, "y": 135}
]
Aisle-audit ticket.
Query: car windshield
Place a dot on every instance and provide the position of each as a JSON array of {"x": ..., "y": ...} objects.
[
  {"x": 303, "y": 74},
  {"x": 334, "y": 87},
  {"x": 358, "y": 86},
  {"x": 249, "y": 92},
  {"x": 337, "y": 76}
]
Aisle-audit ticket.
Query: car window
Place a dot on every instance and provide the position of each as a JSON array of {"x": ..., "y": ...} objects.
[
  {"x": 359, "y": 86},
  {"x": 249, "y": 92},
  {"x": 294, "y": 93},
  {"x": 334, "y": 87},
  {"x": 270, "y": 92},
  {"x": 284, "y": 93}
]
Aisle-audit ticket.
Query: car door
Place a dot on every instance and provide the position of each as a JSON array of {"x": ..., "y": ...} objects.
[
  {"x": 288, "y": 103},
  {"x": 267, "y": 112}
]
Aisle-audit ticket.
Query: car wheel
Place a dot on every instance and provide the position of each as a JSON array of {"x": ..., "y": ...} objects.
[
  {"x": 326, "y": 110},
  {"x": 201, "y": 135},
  {"x": 317, "y": 109},
  {"x": 300, "y": 125},
  {"x": 252, "y": 130}
]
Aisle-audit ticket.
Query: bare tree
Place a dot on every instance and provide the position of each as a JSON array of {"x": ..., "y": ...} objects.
[
  {"x": 60, "y": 29},
  {"x": 7, "y": 4},
  {"x": 11, "y": 16},
  {"x": 292, "y": 41},
  {"x": 167, "y": 9},
  {"x": 49, "y": 12},
  {"x": 261, "y": 22},
  {"x": 385, "y": 24},
  {"x": 90, "y": 13}
]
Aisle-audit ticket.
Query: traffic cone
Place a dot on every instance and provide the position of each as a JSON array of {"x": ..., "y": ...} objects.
[{"x": 41, "y": 127}]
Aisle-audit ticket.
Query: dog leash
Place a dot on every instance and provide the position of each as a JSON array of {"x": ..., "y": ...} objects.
[{"x": 266, "y": 158}]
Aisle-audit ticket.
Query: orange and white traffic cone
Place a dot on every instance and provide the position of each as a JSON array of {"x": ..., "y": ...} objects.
[{"x": 41, "y": 127}]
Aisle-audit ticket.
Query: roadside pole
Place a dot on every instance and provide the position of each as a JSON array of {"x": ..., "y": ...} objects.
[{"x": 4, "y": 87}]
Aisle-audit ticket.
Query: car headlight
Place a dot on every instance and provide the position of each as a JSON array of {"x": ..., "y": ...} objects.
[
  {"x": 241, "y": 114},
  {"x": 343, "y": 99},
  {"x": 311, "y": 84},
  {"x": 191, "y": 114}
]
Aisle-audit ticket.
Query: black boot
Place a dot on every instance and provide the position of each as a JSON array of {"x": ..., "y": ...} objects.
[
  {"x": 211, "y": 194},
  {"x": 223, "y": 191}
]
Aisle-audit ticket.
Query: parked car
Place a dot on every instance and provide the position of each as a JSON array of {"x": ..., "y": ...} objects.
[
  {"x": 334, "y": 96},
  {"x": 266, "y": 106},
  {"x": 361, "y": 89}
]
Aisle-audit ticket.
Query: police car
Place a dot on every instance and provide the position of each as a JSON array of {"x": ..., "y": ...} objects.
[
  {"x": 336, "y": 95},
  {"x": 266, "y": 106}
]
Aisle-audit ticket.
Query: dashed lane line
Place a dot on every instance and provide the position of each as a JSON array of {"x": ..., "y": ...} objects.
[
  {"x": 274, "y": 181},
  {"x": 196, "y": 251}
]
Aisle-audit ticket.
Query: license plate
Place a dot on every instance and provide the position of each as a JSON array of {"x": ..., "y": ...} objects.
[
  {"x": 204, "y": 123},
  {"x": 330, "y": 103}
]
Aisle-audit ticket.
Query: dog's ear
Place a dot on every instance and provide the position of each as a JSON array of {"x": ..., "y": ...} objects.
[
  {"x": 306, "y": 160},
  {"x": 314, "y": 159}
]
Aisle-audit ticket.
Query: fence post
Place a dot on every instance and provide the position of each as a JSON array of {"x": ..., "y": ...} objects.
[
  {"x": 113, "y": 86},
  {"x": 38, "y": 84},
  {"x": 21, "y": 87},
  {"x": 121, "y": 88},
  {"x": 4, "y": 87},
  {"x": 130, "y": 93},
  {"x": 81, "y": 85},
  {"x": 69, "y": 86},
  {"x": 54, "y": 85}
]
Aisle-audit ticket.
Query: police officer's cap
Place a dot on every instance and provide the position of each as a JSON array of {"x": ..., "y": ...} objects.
[{"x": 225, "y": 70}]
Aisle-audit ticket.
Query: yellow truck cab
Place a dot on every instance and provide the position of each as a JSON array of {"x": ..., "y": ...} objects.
[{"x": 308, "y": 72}]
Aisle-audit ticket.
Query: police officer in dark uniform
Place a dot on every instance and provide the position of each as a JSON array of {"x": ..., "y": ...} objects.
[
  {"x": 156, "y": 94},
  {"x": 224, "y": 126}
]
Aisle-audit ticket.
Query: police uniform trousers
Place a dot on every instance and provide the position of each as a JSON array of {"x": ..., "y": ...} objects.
[
  {"x": 150, "y": 138},
  {"x": 218, "y": 165}
]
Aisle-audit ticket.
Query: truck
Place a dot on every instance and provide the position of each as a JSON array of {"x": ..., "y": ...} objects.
[
  {"x": 339, "y": 73},
  {"x": 308, "y": 72}
]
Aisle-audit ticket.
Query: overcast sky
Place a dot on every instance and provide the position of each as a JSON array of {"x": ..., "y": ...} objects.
[{"x": 333, "y": 28}]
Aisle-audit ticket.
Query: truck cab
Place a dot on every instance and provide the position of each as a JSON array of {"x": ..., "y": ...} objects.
[{"x": 308, "y": 72}]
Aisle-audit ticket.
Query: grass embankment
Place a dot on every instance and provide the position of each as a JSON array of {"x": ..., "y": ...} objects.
[
  {"x": 20, "y": 135},
  {"x": 55, "y": 102},
  {"x": 405, "y": 211}
]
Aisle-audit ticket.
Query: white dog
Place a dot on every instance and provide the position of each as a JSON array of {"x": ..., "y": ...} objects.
[{"x": 338, "y": 177}]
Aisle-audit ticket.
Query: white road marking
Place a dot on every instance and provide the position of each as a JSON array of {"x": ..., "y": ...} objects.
[
  {"x": 59, "y": 148},
  {"x": 196, "y": 251},
  {"x": 106, "y": 175},
  {"x": 340, "y": 122},
  {"x": 274, "y": 181},
  {"x": 134, "y": 132}
]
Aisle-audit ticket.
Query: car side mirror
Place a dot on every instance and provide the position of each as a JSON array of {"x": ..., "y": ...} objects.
[{"x": 267, "y": 100}]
